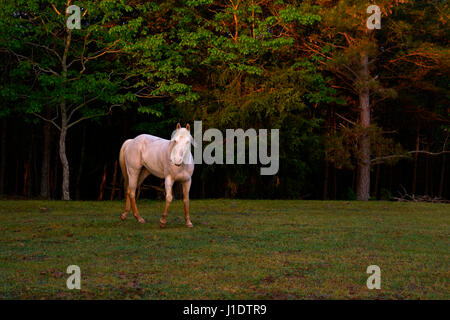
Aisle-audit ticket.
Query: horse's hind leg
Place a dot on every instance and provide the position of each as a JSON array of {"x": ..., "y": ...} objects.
[
  {"x": 123, "y": 216},
  {"x": 132, "y": 184},
  {"x": 127, "y": 205},
  {"x": 125, "y": 181},
  {"x": 169, "y": 183},
  {"x": 144, "y": 174}
]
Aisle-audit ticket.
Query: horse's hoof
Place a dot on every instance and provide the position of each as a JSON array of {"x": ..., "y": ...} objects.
[
  {"x": 189, "y": 225},
  {"x": 141, "y": 220},
  {"x": 123, "y": 217},
  {"x": 162, "y": 224}
]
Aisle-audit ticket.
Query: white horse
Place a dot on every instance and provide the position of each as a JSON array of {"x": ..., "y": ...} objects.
[{"x": 167, "y": 159}]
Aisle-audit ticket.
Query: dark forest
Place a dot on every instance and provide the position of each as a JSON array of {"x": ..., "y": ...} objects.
[{"x": 363, "y": 114}]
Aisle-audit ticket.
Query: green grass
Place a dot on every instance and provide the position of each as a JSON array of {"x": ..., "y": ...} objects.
[{"x": 238, "y": 249}]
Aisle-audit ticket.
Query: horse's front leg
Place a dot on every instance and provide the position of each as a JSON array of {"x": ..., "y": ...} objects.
[
  {"x": 168, "y": 183},
  {"x": 186, "y": 187}
]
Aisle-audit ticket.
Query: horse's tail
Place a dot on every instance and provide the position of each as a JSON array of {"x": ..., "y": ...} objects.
[{"x": 123, "y": 166}]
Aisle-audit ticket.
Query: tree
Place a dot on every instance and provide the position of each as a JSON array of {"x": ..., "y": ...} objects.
[
  {"x": 417, "y": 65},
  {"x": 351, "y": 51},
  {"x": 251, "y": 73},
  {"x": 114, "y": 60},
  {"x": 61, "y": 84}
]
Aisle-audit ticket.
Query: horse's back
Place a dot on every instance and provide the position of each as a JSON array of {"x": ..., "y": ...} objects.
[{"x": 148, "y": 138}]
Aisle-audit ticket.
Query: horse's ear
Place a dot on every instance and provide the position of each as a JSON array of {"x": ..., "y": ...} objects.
[
  {"x": 178, "y": 126},
  {"x": 188, "y": 127}
]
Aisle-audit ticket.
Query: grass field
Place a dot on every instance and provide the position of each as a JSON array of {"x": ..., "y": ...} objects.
[{"x": 238, "y": 249}]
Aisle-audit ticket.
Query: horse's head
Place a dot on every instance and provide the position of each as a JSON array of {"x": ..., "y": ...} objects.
[{"x": 180, "y": 145}]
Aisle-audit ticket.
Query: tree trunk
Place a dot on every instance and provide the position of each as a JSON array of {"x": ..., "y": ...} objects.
[
  {"x": 3, "y": 126},
  {"x": 325, "y": 181},
  {"x": 16, "y": 190},
  {"x": 327, "y": 165},
  {"x": 36, "y": 172},
  {"x": 102, "y": 185},
  {"x": 441, "y": 183},
  {"x": 29, "y": 184},
  {"x": 427, "y": 170},
  {"x": 64, "y": 125},
  {"x": 3, "y": 158},
  {"x": 45, "y": 167},
  {"x": 416, "y": 157},
  {"x": 65, "y": 165},
  {"x": 391, "y": 173},
  {"x": 363, "y": 175},
  {"x": 26, "y": 170},
  {"x": 334, "y": 183},
  {"x": 62, "y": 154}
]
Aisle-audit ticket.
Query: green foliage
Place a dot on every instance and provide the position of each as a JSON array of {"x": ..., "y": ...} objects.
[
  {"x": 98, "y": 58},
  {"x": 351, "y": 195},
  {"x": 385, "y": 194},
  {"x": 343, "y": 148}
]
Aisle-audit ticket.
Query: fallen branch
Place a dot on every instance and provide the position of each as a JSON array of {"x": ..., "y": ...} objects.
[
  {"x": 406, "y": 155},
  {"x": 405, "y": 197}
]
